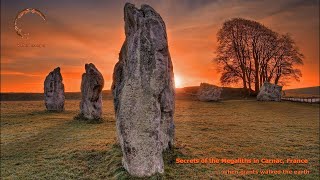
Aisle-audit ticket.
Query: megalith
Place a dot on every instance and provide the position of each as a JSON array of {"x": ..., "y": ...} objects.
[
  {"x": 269, "y": 92},
  {"x": 54, "y": 91},
  {"x": 208, "y": 92},
  {"x": 91, "y": 91},
  {"x": 144, "y": 92}
]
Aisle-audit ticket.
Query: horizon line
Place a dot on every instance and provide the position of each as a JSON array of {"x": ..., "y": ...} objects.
[{"x": 175, "y": 88}]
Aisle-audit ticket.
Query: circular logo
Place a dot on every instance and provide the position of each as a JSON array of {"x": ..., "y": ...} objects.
[{"x": 20, "y": 15}]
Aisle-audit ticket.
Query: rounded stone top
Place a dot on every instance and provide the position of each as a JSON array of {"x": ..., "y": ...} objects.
[{"x": 57, "y": 69}]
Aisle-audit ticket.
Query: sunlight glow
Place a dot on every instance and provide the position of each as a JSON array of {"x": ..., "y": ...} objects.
[{"x": 178, "y": 82}]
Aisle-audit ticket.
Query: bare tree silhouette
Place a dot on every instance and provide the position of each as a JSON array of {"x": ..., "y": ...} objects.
[{"x": 251, "y": 53}]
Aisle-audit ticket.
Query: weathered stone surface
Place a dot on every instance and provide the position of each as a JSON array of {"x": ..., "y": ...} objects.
[
  {"x": 91, "y": 90},
  {"x": 143, "y": 91},
  {"x": 270, "y": 92},
  {"x": 54, "y": 91},
  {"x": 208, "y": 92}
]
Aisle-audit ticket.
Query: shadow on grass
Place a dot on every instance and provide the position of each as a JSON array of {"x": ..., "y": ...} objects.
[
  {"x": 47, "y": 112},
  {"x": 117, "y": 171},
  {"x": 79, "y": 117}
]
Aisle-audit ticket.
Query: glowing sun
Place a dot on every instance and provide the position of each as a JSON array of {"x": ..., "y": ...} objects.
[{"x": 178, "y": 82}]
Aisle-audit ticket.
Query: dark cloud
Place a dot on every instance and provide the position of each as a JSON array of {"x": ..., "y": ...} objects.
[{"x": 293, "y": 5}]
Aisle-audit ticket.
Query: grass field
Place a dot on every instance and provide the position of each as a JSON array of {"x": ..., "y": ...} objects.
[{"x": 36, "y": 144}]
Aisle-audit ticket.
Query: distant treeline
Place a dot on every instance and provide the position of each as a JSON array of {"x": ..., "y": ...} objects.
[
  {"x": 187, "y": 93},
  {"x": 304, "y": 92},
  {"x": 40, "y": 96},
  {"x": 227, "y": 92}
]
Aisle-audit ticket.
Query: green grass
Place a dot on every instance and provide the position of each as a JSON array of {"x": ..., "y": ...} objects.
[{"x": 36, "y": 144}]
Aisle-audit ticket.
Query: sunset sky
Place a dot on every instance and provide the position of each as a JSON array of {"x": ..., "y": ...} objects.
[{"x": 83, "y": 31}]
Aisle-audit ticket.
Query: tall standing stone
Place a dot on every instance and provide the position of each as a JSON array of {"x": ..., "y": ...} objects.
[
  {"x": 54, "y": 91},
  {"x": 269, "y": 92},
  {"x": 143, "y": 91},
  {"x": 91, "y": 90}
]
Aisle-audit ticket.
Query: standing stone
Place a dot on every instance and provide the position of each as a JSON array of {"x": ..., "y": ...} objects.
[
  {"x": 208, "y": 92},
  {"x": 54, "y": 91},
  {"x": 91, "y": 90},
  {"x": 143, "y": 91},
  {"x": 269, "y": 92}
]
